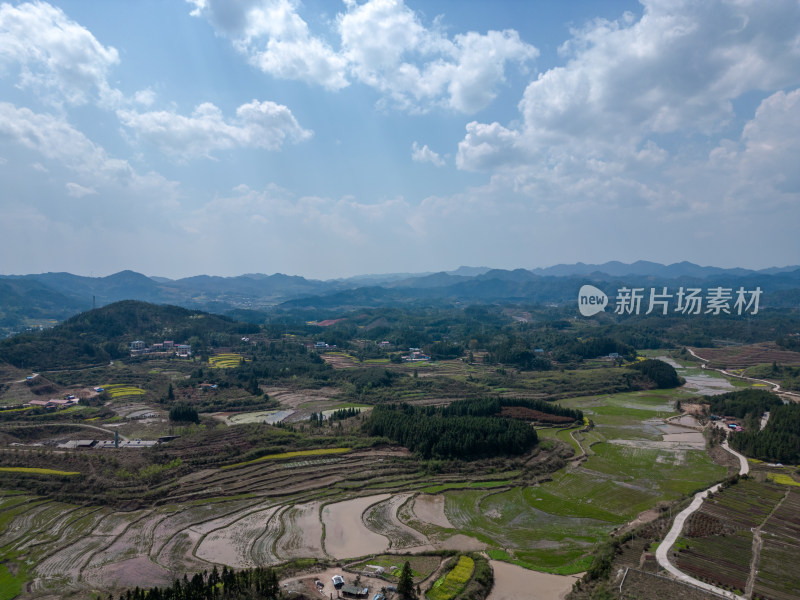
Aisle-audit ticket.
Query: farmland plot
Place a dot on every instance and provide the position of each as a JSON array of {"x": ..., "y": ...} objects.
[
  {"x": 382, "y": 518},
  {"x": 262, "y": 551},
  {"x": 64, "y": 566},
  {"x": 231, "y": 545},
  {"x": 719, "y": 537},
  {"x": 302, "y": 532},
  {"x": 346, "y": 536},
  {"x": 781, "y": 534},
  {"x": 429, "y": 508},
  {"x": 176, "y": 554}
]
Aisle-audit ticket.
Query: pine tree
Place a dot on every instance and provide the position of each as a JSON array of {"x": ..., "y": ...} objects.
[{"x": 405, "y": 587}]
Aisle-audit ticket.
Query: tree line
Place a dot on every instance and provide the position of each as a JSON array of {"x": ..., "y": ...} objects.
[
  {"x": 487, "y": 407},
  {"x": 779, "y": 441},
  {"x": 748, "y": 403},
  {"x": 259, "y": 583},
  {"x": 434, "y": 433}
]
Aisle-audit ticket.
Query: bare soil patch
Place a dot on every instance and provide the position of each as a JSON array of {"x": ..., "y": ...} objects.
[
  {"x": 337, "y": 361},
  {"x": 529, "y": 414},
  {"x": 305, "y": 583},
  {"x": 462, "y": 543}
]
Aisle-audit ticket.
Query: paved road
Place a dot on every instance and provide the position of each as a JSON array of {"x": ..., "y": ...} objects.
[{"x": 662, "y": 552}]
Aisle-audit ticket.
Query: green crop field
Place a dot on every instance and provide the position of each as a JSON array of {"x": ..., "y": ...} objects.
[
  {"x": 449, "y": 586},
  {"x": 119, "y": 390},
  {"x": 294, "y": 454},
  {"x": 225, "y": 361},
  {"x": 556, "y": 524},
  {"x": 36, "y": 471}
]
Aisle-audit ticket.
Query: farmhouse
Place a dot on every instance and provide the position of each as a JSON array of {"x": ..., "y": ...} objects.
[
  {"x": 54, "y": 403},
  {"x": 139, "y": 348},
  {"x": 44, "y": 403},
  {"x": 415, "y": 355}
]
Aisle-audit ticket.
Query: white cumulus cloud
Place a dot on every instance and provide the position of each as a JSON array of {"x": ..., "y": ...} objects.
[
  {"x": 55, "y": 56},
  {"x": 676, "y": 70},
  {"x": 55, "y": 139},
  {"x": 424, "y": 154},
  {"x": 383, "y": 44},
  {"x": 275, "y": 39},
  {"x": 257, "y": 124}
]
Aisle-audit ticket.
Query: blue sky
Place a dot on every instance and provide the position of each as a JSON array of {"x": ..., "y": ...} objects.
[{"x": 331, "y": 139}]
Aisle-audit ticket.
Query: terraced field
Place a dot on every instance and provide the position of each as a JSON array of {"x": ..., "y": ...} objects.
[
  {"x": 781, "y": 534},
  {"x": 352, "y": 503},
  {"x": 719, "y": 537}
]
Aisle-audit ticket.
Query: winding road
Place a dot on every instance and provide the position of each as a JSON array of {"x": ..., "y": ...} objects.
[
  {"x": 662, "y": 552},
  {"x": 776, "y": 387}
]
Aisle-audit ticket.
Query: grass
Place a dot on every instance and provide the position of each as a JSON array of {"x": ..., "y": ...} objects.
[
  {"x": 782, "y": 479},
  {"x": 10, "y": 585},
  {"x": 421, "y": 565},
  {"x": 293, "y": 454},
  {"x": 557, "y": 524},
  {"x": 435, "y": 489},
  {"x": 37, "y": 471},
  {"x": 16, "y": 409},
  {"x": 450, "y": 585}
]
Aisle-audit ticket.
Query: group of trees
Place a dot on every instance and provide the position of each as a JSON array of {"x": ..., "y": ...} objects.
[
  {"x": 743, "y": 404},
  {"x": 779, "y": 441},
  {"x": 435, "y": 433},
  {"x": 259, "y": 583},
  {"x": 662, "y": 374},
  {"x": 184, "y": 413}
]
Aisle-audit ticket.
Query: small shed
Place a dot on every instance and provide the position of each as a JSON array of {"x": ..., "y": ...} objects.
[{"x": 351, "y": 591}]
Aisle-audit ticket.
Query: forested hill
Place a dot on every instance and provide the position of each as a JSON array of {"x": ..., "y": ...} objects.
[
  {"x": 25, "y": 298},
  {"x": 103, "y": 334}
]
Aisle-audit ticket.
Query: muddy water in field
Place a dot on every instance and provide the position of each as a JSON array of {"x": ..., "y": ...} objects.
[
  {"x": 302, "y": 532},
  {"x": 346, "y": 536},
  {"x": 429, "y": 508},
  {"x": 512, "y": 583}
]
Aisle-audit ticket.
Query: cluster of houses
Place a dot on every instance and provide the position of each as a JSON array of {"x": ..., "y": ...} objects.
[
  {"x": 165, "y": 348},
  {"x": 55, "y": 402},
  {"x": 416, "y": 355}
]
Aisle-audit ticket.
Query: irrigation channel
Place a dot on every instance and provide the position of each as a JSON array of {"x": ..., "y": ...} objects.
[{"x": 662, "y": 552}]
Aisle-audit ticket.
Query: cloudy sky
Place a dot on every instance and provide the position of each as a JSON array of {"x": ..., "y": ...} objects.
[{"x": 330, "y": 139}]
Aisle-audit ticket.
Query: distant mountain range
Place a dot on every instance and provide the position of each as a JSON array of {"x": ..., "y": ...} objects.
[{"x": 26, "y": 299}]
